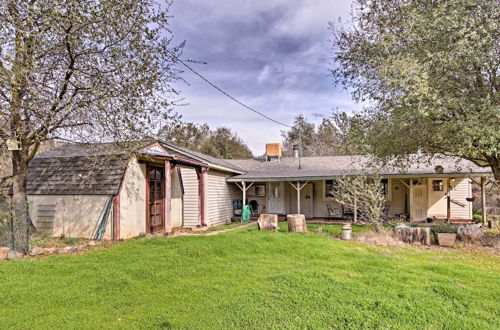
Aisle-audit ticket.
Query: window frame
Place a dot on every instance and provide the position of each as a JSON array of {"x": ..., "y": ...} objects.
[
  {"x": 327, "y": 198},
  {"x": 440, "y": 185}
]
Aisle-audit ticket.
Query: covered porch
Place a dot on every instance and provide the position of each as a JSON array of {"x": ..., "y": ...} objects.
[{"x": 409, "y": 198}]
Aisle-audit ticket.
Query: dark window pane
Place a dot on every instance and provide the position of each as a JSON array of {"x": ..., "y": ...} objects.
[{"x": 330, "y": 188}]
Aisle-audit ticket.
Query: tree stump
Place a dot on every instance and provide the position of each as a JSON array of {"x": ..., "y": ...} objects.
[
  {"x": 268, "y": 222},
  {"x": 414, "y": 234},
  {"x": 296, "y": 223}
]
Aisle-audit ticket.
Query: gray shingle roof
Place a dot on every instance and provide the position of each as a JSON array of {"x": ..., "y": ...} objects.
[
  {"x": 225, "y": 163},
  {"x": 78, "y": 169},
  {"x": 331, "y": 166}
]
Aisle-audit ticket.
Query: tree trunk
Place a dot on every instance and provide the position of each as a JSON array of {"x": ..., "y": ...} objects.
[
  {"x": 296, "y": 223},
  {"x": 268, "y": 222},
  {"x": 21, "y": 215}
]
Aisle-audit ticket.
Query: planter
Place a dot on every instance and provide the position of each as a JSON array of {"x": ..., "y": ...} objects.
[{"x": 446, "y": 239}]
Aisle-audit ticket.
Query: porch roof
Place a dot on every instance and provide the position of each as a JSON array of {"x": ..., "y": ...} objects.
[{"x": 320, "y": 168}]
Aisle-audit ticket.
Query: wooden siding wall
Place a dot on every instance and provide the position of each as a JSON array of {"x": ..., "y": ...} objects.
[
  {"x": 219, "y": 198},
  {"x": 190, "y": 203},
  {"x": 461, "y": 189}
]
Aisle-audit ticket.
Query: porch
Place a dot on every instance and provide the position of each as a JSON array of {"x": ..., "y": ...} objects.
[{"x": 413, "y": 199}]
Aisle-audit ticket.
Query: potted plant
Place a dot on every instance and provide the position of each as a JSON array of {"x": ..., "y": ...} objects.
[{"x": 445, "y": 234}]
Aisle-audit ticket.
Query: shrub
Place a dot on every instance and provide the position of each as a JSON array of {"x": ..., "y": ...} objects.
[
  {"x": 443, "y": 227},
  {"x": 70, "y": 241}
]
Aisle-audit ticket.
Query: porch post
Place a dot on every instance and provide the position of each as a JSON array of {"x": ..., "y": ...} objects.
[
  {"x": 411, "y": 199},
  {"x": 448, "y": 203},
  {"x": 168, "y": 197},
  {"x": 244, "y": 185},
  {"x": 201, "y": 195},
  {"x": 298, "y": 197},
  {"x": 483, "y": 199}
]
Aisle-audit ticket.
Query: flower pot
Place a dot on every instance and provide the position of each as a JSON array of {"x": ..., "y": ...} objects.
[{"x": 446, "y": 239}]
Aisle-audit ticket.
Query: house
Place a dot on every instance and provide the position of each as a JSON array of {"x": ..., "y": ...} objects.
[{"x": 100, "y": 190}]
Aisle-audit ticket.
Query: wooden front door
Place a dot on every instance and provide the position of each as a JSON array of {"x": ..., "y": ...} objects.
[{"x": 155, "y": 210}]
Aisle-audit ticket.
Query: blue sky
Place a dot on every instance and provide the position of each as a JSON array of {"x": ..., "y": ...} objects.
[{"x": 273, "y": 55}]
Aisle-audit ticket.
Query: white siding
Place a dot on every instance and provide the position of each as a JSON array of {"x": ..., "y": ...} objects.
[
  {"x": 75, "y": 215},
  {"x": 219, "y": 198},
  {"x": 176, "y": 200},
  {"x": 461, "y": 189},
  {"x": 190, "y": 203},
  {"x": 133, "y": 200}
]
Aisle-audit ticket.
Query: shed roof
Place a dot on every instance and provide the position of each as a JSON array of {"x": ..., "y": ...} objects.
[
  {"x": 78, "y": 169},
  {"x": 332, "y": 166}
]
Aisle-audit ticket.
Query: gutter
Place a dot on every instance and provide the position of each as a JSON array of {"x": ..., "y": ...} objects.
[{"x": 317, "y": 178}]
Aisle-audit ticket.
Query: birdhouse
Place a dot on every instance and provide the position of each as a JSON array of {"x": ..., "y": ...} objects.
[{"x": 13, "y": 144}]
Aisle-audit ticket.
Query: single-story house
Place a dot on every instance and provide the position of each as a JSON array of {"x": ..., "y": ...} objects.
[{"x": 98, "y": 190}]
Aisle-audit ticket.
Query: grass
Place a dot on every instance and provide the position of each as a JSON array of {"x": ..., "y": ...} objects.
[{"x": 251, "y": 279}]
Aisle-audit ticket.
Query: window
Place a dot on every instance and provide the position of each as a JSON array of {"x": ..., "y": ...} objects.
[
  {"x": 330, "y": 188},
  {"x": 260, "y": 190},
  {"x": 385, "y": 186},
  {"x": 437, "y": 185}
]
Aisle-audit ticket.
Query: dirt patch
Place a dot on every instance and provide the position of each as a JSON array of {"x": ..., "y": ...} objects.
[
  {"x": 384, "y": 238},
  {"x": 488, "y": 244}
]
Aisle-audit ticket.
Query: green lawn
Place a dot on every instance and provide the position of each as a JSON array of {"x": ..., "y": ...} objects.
[{"x": 246, "y": 278}]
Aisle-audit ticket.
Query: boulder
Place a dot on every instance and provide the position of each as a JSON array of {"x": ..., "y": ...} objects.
[
  {"x": 470, "y": 233},
  {"x": 268, "y": 222},
  {"x": 36, "y": 251},
  {"x": 13, "y": 254},
  {"x": 413, "y": 234}
]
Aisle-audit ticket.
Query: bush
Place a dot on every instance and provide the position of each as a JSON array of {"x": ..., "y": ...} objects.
[
  {"x": 443, "y": 227},
  {"x": 478, "y": 218},
  {"x": 70, "y": 241}
]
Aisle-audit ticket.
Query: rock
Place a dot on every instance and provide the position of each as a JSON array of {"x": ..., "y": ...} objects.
[
  {"x": 36, "y": 251},
  {"x": 413, "y": 234},
  {"x": 91, "y": 243},
  {"x": 470, "y": 233},
  {"x": 3, "y": 252},
  {"x": 70, "y": 249},
  {"x": 13, "y": 254},
  {"x": 268, "y": 222},
  {"x": 50, "y": 250},
  {"x": 296, "y": 223}
]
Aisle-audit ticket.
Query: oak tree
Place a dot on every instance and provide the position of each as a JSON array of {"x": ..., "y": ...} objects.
[{"x": 427, "y": 73}]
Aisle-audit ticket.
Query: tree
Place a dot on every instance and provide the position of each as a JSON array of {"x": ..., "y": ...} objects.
[
  {"x": 187, "y": 135},
  {"x": 220, "y": 143},
  {"x": 364, "y": 196},
  {"x": 428, "y": 73},
  {"x": 81, "y": 70},
  {"x": 223, "y": 143},
  {"x": 323, "y": 140}
]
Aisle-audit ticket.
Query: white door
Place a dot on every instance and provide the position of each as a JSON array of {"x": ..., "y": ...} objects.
[
  {"x": 419, "y": 207},
  {"x": 275, "y": 200}
]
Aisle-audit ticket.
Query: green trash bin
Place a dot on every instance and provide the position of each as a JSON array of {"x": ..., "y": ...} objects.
[{"x": 245, "y": 213}]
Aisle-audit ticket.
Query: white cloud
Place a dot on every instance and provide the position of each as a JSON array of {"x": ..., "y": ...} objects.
[{"x": 272, "y": 55}]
